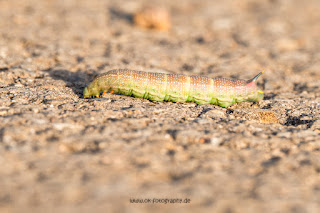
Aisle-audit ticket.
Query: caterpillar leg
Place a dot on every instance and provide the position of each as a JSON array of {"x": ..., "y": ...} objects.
[{"x": 224, "y": 104}]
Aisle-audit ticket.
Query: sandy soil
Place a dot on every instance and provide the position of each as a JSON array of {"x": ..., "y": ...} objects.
[{"x": 62, "y": 153}]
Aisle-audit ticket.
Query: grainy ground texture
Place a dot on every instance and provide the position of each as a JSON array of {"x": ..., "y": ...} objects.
[{"x": 62, "y": 153}]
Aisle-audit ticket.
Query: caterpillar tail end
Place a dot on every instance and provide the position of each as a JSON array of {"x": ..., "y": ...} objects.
[
  {"x": 260, "y": 95},
  {"x": 256, "y": 94},
  {"x": 255, "y": 78}
]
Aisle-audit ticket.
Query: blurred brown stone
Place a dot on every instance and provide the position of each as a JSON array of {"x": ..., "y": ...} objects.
[{"x": 153, "y": 18}]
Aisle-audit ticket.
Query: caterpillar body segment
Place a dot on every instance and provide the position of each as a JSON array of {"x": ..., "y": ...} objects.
[{"x": 176, "y": 88}]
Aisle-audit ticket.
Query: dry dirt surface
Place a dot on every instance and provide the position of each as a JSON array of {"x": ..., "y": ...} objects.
[{"x": 62, "y": 153}]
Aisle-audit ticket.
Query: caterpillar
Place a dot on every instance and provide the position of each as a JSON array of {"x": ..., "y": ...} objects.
[{"x": 175, "y": 87}]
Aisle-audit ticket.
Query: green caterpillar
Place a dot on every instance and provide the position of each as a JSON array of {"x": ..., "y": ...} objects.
[{"x": 175, "y": 88}]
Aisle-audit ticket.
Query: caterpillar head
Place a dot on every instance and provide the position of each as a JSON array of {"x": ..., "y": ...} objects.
[
  {"x": 90, "y": 92},
  {"x": 86, "y": 93}
]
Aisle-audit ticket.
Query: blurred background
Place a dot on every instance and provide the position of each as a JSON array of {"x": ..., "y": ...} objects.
[
  {"x": 61, "y": 152},
  {"x": 212, "y": 38}
]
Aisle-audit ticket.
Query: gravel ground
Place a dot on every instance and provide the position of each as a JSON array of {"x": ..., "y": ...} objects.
[{"x": 62, "y": 153}]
